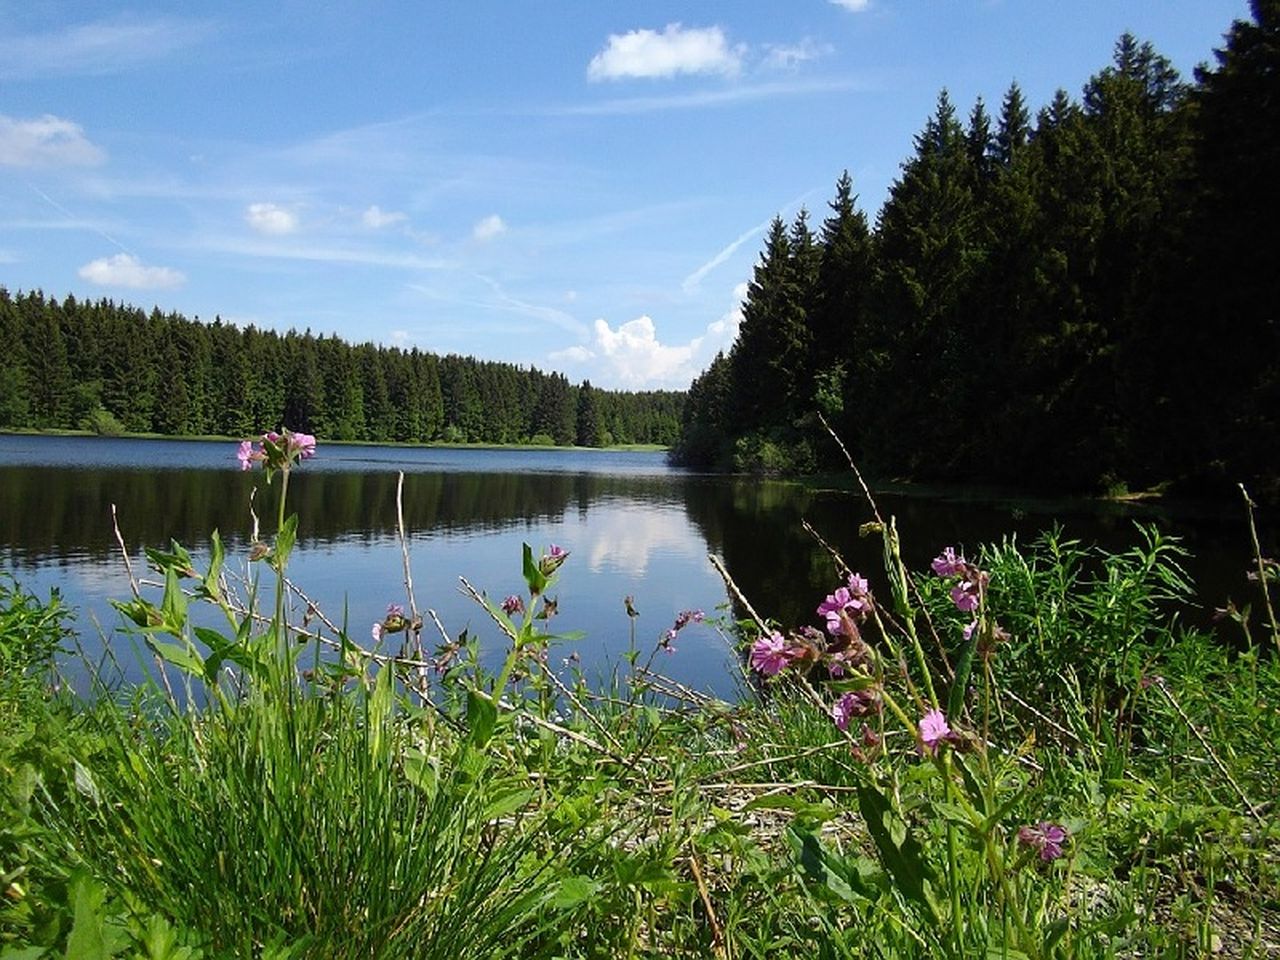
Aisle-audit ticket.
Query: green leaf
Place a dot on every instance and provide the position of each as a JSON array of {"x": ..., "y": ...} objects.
[
  {"x": 87, "y": 940},
  {"x": 423, "y": 771},
  {"x": 22, "y": 953},
  {"x": 212, "y": 589},
  {"x": 173, "y": 606},
  {"x": 482, "y": 717},
  {"x": 964, "y": 667},
  {"x": 285, "y": 540},
  {"x": 573, "y": 891},
  {"x": 185, "y": 658},
  {"x": 905, "y": 863},
  {"x": 533, "y": 576},
  {"x": 507, "y": 802}
]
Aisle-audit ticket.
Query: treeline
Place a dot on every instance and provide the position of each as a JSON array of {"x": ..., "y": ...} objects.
[
  {"x": 112, "y": 367},
  {"x": 1086, "y": 299}
]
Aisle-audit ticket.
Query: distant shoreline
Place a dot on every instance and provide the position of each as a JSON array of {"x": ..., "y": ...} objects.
[{"x": 437, "y": 444}]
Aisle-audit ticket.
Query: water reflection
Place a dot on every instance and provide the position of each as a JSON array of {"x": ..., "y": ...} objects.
[{"x": 634, "y": 527}]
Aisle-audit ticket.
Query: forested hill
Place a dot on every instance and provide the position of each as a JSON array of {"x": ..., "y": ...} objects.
[
  {"x": 1084, "y": 298},
  {"x": 112, "y": 367}
]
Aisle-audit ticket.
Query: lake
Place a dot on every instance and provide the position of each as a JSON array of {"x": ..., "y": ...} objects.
[{"x": 634, "y": 526}]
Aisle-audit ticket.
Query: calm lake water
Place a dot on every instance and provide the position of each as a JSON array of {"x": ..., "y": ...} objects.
[{"x": 634, "y": 526}]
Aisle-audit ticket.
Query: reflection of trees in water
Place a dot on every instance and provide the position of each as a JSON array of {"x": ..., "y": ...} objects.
[
  {"x": 65, "y": 512},
  {"x": 756, "y": 527}
]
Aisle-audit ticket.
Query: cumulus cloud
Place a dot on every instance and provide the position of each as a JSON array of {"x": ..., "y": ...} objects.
[
  {"x": 46, "y": 141},
  {"x": 126, "y": 270},
  {"x": 648, "y": 53},
  {"x": 271, "y": 219},
  {"x": 855, "y": 6},
  {"x": 376, "y": 218},
  {"x": 488, "y": 228}
]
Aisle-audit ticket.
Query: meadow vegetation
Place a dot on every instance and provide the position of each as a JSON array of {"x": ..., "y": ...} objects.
[{"x": 1020, "y": 753}]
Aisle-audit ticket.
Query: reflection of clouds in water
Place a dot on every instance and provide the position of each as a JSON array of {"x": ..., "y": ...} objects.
[{"x": 625, "y": 536}]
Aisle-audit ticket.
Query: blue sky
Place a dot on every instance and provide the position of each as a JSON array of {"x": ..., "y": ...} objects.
[{"x": 580, "y": 186}]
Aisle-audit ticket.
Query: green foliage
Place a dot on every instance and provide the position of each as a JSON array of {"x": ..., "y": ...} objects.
[
  {"x": 111, "y": 368},
  {"x": 1066, "y": 302}
]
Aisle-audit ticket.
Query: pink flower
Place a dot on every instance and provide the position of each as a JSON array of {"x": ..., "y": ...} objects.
[
  {"x": 376, "y": 632},
  {"x": 303, "y": 444},
  {"x": 948, "y": 564},
  {"x": 769, "y": 655},
  {"x": 965, "y": 596},
  {"x": 856, "y": 703},
  {"x": 852, "y": 600},
  {"x": 1045, "y": 837},
  {"x": 512, "y": 605},
  {"x": 933, "y": 730},
  {"x": 245, "y": 454}
]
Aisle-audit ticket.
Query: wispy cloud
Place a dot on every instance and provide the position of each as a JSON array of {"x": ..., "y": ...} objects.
[
  {"x": 125, "y": 270},
  {"x": 650, "y": 54},
  {"x": 46, "y": 141},
  {"x": 319, "y": 253},
  {"x": 375, "y": 218},
  {"x": 854, "y": 6},
  {"x": 559, "y": 318},
  {"x": 707, "y": 98},
  {"x": 488, "y": 228},
  {"x": 780, "y": 56},
  {"x": 692, "y": 280},
  {"x": 113, "y": 45}
]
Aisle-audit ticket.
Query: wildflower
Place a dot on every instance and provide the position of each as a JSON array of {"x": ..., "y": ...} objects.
[
  {"x": 629, "y": 602},
  {"x": 965, "y": 596},
  {"x": 512, "y": 605},
  {"x": 934, "y": 730},
  {"x": 968, "y": 630},
  {"x": 947, "y": 563},
  {"x": 552, "y": 560},
  {"x": 856, "y": 703},
  {"x": 1045, "y": 837},
  {"x": 852, "y": 601},
  {"x": 769, "y": 655},
  {"x": 245, "y": 454},
  {"x": 685, "y": 617},
  {"x": 301, "y": 444},
  {"x": 393, "y": 622}
]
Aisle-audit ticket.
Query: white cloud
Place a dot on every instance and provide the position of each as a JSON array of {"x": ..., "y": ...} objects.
[
  {"x": 376, "y": 218},
  {"x": 632, "y": 357},
  {"x": 790, "y": 56},
  {"x": 854, "y": 6},
  {"x": 575, "y": 354},
  {"x": 271, "y": 218},
  {"x": 488, "y": 228},
  {"x": 647, "y": 53},
  {"x": 126, "y": 270},
  {"x": 46, "y": 141}
]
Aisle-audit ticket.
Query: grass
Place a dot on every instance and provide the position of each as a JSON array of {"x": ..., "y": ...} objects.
[{"x": 276, "y": 790}]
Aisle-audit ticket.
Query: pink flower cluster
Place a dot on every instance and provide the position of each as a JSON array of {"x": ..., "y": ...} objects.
[
  {"x": 847, "y": 606},
  {"x": 967, "y": 592},
  {"x": 1045, "y": 838},
  {"x": 276, "y": 451},
  {"x": 683, "y": 619}
]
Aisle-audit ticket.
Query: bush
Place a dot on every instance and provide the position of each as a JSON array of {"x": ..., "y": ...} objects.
[{"x": 102, "y": 422}]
